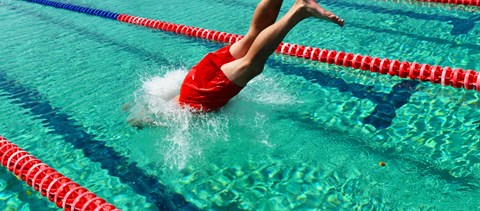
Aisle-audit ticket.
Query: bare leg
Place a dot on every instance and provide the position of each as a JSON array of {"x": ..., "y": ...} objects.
[
  {"x": 265, "y": 15},
  {"x": 242, "y": 70}
]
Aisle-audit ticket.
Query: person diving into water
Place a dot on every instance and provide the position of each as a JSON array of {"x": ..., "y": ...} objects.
[{"x": 221, "y": 75}]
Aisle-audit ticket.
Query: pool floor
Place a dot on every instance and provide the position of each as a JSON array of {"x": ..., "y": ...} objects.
[{"x": 302, "y": 136}]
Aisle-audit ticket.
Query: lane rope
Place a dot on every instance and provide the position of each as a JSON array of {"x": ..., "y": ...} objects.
[
  {"x": 467, "y": 8},
  {"x": 57, "y": 188},
  {"x": 446, "y": 76},
  {"x": 459, "y": 2}
]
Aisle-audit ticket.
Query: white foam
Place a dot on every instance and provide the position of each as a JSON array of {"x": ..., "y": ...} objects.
[
  {"x": 154, "y": 105},
  {"x": 159, "y": 91}
]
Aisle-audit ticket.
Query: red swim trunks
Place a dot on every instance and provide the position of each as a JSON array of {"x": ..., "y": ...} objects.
[{"x": 206, "y": 88}]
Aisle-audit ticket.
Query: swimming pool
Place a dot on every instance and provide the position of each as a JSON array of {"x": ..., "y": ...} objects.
[{"x": 304, "y": 135}]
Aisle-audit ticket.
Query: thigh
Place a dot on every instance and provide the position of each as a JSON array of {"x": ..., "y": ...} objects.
[{"x": 241, "y": 71}]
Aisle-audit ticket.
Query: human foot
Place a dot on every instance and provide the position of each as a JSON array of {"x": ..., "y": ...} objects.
[{"x": 311, "y": 8}]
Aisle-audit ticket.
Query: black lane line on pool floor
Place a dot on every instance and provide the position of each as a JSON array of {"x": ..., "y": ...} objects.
[
  {"x": 386, "y": 104},
  {"x": 96, "y": 150}
]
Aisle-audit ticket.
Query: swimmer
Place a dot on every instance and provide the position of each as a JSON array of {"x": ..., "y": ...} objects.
[{"x": 221, "y": 75}]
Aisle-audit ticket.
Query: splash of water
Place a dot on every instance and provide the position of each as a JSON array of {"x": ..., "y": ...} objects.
[
  {"x": 189, "y": 136},
  {"x": 154, "y": 106}
]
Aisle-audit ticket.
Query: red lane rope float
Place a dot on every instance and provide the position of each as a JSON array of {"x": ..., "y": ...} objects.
[
  {"x": 458, "y": 78},
  {"x": 181, "y": 29},
  {"x": 57, "y": 188},
  {"x": 425, "y": 3},
  {"x": 463, "y": 2}
]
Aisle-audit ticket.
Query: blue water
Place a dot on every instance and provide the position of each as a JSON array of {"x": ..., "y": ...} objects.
[{"x": 301, "y": 136}]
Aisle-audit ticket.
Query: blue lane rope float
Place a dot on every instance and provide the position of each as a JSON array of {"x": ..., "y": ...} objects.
[
  {"x": 462, "y": 2},
  {"x": 455, "y": 77},
  {"x": 86, "y": 10}
]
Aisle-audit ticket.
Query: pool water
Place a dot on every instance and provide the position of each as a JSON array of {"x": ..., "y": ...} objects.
[{"x": 302, "y": 136}]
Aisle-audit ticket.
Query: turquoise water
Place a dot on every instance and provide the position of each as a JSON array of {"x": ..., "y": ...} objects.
[{"x": 301, "y": 136}]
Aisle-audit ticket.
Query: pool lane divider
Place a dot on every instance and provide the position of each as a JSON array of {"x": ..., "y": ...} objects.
[
  {"x": 59, "y": 189},
  {"x": 458, "y": 78},
  {"x": 451, "y": 2},
  {"x": 460, "y": 2},
  {"x": 446, "y": 76}
]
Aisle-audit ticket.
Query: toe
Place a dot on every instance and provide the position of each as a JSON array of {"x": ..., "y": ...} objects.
[{"x": 336, "y": 20}]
